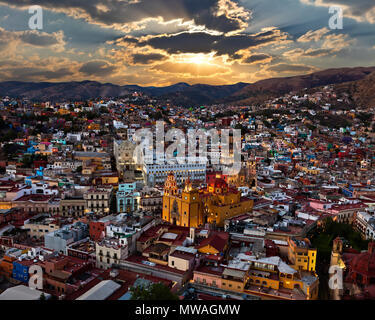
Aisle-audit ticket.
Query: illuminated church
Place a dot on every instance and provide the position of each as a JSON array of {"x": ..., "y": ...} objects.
[{"x": 191, "y": 207}]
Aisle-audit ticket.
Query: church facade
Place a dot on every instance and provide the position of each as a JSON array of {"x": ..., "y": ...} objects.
[{"x": 192, "y": 207}]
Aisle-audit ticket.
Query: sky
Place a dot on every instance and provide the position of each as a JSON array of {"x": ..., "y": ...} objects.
[{"x": 162, "y": 42}]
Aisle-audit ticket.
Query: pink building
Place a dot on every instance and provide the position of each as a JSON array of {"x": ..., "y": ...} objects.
[{"x": 208, "y": 275}]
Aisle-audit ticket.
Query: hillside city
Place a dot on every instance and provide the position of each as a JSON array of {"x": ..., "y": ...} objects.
[{"x": 297, "y": 222}]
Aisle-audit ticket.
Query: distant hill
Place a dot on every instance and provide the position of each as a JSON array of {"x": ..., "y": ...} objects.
[
  {"x": 275, "y": 87},
  {"x": 63, "y": 90},
  {"x": 199, "y": 94},
  {"x": 181, "y": 93},
  {"x": 362, "y": 92}
]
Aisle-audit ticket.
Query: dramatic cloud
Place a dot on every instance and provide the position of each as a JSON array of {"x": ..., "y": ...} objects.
[
  {"x": 311, "y": 35},
  {"x": 309, "y": 53},
  {"x": 147, "y": 58},
  {"x": 202, "y": 42},
  {"x": 326, "y": 44},
  {"x": 11, "y": 39},
  {"x": 257, "y": 58},
  {"x": 291, "y": 68},
  {"x": 97, "y": 68},
  {"x": 337, "y": 42},
  {"x": 37, "y": 73},
  {"x": 221, "y": 15},
  {"x": 161, "y": 42}
]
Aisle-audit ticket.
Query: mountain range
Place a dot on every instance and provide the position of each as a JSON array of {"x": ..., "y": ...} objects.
[{"x": 359, "y": 81}]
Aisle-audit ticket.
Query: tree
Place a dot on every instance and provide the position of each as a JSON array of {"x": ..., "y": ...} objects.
[
  {"x": 155, "y": 291},
  {"x": 27, "y": 160},
  {"x": 103, "y": 109},
  {"x": 113, "y": 205}
]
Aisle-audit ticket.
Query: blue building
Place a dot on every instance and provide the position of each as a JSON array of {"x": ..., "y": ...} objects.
[
  {"x": 21, "y": 270},
  {"x": 348, "y": 191},
  {"x": 127, "y": 197}
]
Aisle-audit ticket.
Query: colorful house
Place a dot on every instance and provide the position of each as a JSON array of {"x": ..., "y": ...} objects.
[
  {"x": 127, "y": 198},
  {"x": 21, "y": 270}
]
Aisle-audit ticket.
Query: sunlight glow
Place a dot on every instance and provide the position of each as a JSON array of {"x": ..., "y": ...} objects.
[{"x": 195, "y": 58}]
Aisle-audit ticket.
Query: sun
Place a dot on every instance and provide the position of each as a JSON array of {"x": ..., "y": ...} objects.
[
  {"x": 195, "y": 58},
  {"x": 199, "y": 59}
]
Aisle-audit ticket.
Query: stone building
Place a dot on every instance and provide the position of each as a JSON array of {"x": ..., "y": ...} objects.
[{"x": 99, "y": 199}]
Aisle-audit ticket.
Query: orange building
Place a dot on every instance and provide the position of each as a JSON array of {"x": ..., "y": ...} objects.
[
  {"x": 193, "y": 207},
  {"x": 6, "y": 266}
]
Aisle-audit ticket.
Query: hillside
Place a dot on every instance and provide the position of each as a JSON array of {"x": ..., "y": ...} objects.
[
  {"x": 265, "y": 89},
  {"x": 362, "y": 92},
  {"x": 357, "y": 80}
]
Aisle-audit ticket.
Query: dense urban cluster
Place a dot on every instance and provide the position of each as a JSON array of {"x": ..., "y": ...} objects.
[{"x": 100, "y": 225}]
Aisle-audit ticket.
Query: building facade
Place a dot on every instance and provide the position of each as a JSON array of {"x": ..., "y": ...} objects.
[
  {"x": 193, "y": 207},
  {"x": 99, "y": 199},
  {"x": 128, "y": 199}
]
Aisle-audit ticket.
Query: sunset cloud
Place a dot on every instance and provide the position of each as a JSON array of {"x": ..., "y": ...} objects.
[
  {"x": 11, "y": 39},
  {"x": 291, "y": 68},
  {"x": 221, "y": 15},
  {"x": 313, "y": 35},
  {"x": 196, "y": 42},
  {"x": 162, "y": 42}
]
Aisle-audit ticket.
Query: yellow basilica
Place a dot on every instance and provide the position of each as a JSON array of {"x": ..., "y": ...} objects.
[{"x": 192, "y": 207}]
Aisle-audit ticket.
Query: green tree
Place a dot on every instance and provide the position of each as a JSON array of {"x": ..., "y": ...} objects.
[
  {"x": 27, "y": 161},
  {"x": 155, "y": 291}
]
